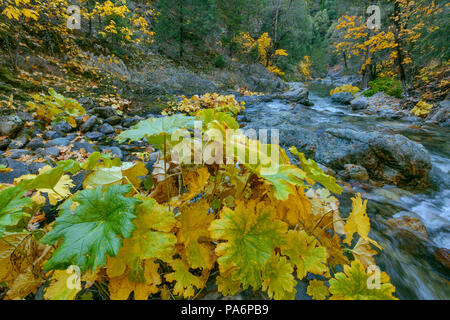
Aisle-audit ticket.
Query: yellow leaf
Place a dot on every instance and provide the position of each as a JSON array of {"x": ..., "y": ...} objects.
[
  {"x": 278, "y": 280},
  {"x": 318, "y": 290},
  {"x": 62, "y": 286},
  {"x": 194, "y": 224},
  {"x": 121, "y": 287},
  {"x": 305, "y": 252},
  {"x": 184, "y": 280}
]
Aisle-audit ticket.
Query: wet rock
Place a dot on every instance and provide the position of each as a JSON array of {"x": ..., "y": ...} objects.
[
  {"x": 105, "y": 112},
  {"x": 88, "y": 124},
  {"x": 107, "y": 129},
  {"x": 20, "y": 142},
  {"x": 114, "y": 120},
  {"x": 35, "y": 143},
  {"x": 58, "y": 142},
  {"x": 4, "y": 142},
  {"x": 342, "y": 97},
  {"x": 50, "y": 152},
  {"x": 19, "y": 169},
  {"x": 50, "y": 135},
  {"x": 10, "y": 126},
  {"x": 78, "y": 145},
  {"x": 35, "y": 166},
  {"x": 442, "y": 114},
  {"x": 63, "y": 127},
  {"x": 359, "y": 103},
  {"x": 443, "y": 256},
  {"x": 95, "y": 135},
  {"x": 17, "y": 153},
  {"x": 392, "y": 159},
  {"x": 129, "y": 122},
  {"x": 114, "y": 150},
  {"x": 409, "y": 223},
  {"x": 297, "y": 93},
  {"x": 354, "y": 172}
]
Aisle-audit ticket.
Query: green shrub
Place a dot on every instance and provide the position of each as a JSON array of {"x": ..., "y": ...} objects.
[
  {"x": 220, "y": 62},
  {"x": 389, "y": 86}
]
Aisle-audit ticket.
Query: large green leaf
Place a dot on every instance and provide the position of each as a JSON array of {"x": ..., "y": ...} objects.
[
  {"x": 314, "y": 172},
  {"x": 251, "y": 233},
  {"x": 353, "y": 284},
  {"x": 156, "y": 127},
  {"x": 13, "y": 207},
  {"x": 93, "y": 229}
]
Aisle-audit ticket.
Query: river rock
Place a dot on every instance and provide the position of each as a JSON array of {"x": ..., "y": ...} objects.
[
  {"x": 63, "y": 127},
  {"x": 359, "y": 103},
  {"x": 342, "y": 97},
  {"x": 354, "y": 172},
  {"x": 105, "y": 112},
  {"x": 409, "y": 223},
  {"x": 35, "y": 143},
  {"x": 88, "y": 124},
  {"x": 392, "y": 159},
  {"x": 297, "y": 93},
  {"x": 94, "y": 135},
  {"x": 107, "y": 129},
  {"x": 50, "y": 135},
  {"x": 4, "y": 142},
  {"x": 19, "y": 169},
  {"x": 58, "y": 142},
  {"x": 441, "y": 115},
  {"x": 443, "y": 256},
  {"x": 114, "y": 120},
  {"x": 10, "y": 125}
]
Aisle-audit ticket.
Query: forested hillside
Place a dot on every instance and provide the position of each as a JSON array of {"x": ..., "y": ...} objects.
[{"x": 129, "y": 168}]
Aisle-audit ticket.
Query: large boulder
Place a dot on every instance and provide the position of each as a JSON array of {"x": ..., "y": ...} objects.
[
  {"x": 297, "y": 93},
  {"x": 391, "y": 159},
  {"x": 188, "y": 84},
  {"x": 441, "y": 115},
  {"x": 342, "y": 97},
  {"x": 359, "y": 103}
]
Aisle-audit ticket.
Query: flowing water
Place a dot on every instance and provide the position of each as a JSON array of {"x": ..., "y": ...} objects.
[{"x": 410, "y": 260}]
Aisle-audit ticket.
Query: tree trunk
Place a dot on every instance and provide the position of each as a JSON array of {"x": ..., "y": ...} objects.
[{"x": 400, "y": 57}]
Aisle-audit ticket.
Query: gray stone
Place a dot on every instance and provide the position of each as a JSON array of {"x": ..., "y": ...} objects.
[
  {"x": 107, "y": 129},
  {"x": 297, "y": 93},
  {"x": 78, "y": 145},
  {"x": 105, "y": 112},
  {"x": 35, "y": 143},
  {"x": 359, "y": 103},
  {"x": 4, "y": 142},
  {"x": 17, "y": 153},
  {"x": 35, "y": 166},
  {"x": 114, "y": 120},
  {"x": 392, "y": 159},
  {"x": 129, "y": 122},
  {"x": 442, "y": 114},
  {"x": 19, "y": 142},
  {"x": 88, "y": 124},
  {"x": 19, "y": 169},
  {"x": 342, "y": 97},
  {"x": 50, "y": 135},
  {"x": 354, "y": 172},
  {"x": 94, "y": 135},
  {"x": 50, "y": 152},
  {"x": 114, "y": 150},
  {"x": 58, "y": 142},
  {"x": 63, "y": 127},
  {"x": 10, "y": 125}
]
